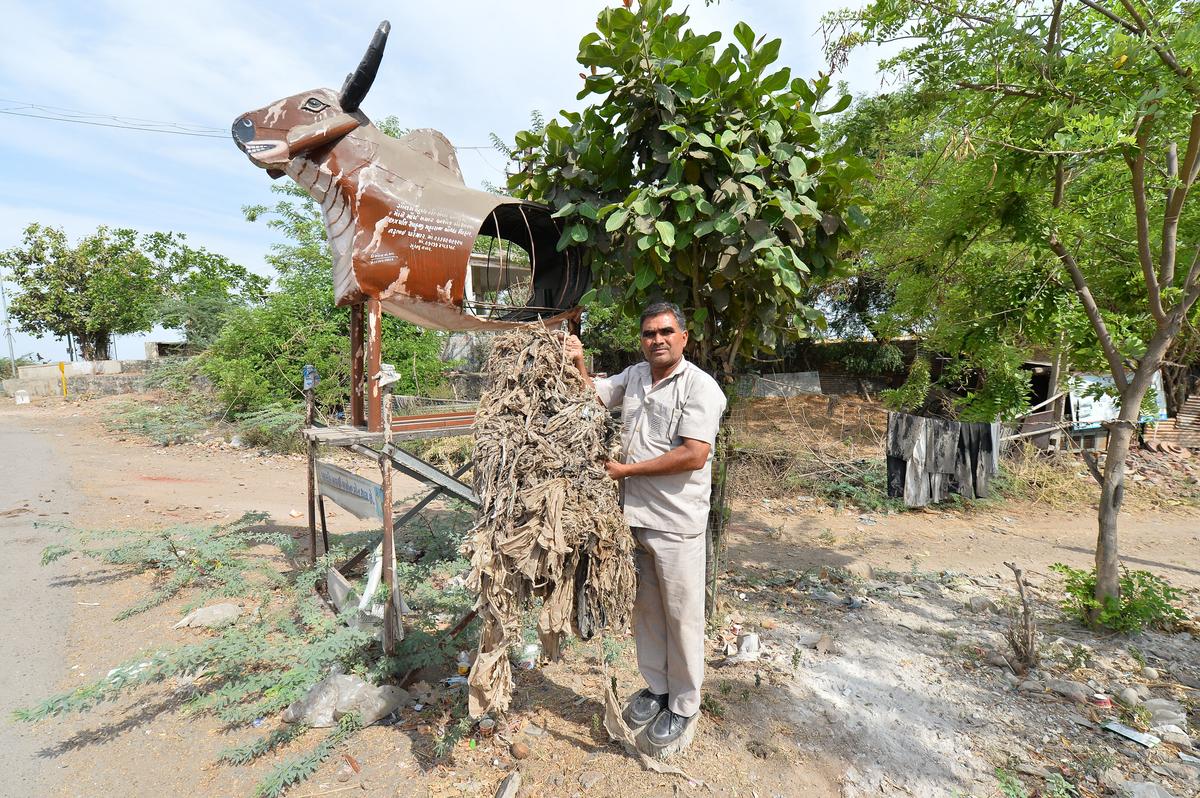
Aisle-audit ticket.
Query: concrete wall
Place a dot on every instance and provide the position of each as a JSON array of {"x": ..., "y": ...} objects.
[{"x": 79, "y": 385}]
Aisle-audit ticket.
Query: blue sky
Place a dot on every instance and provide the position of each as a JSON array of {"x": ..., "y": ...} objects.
[{"x": 467, "y": 68}]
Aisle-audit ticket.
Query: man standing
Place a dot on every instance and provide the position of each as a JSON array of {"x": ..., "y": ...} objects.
[{"x": 670, "y": 411}]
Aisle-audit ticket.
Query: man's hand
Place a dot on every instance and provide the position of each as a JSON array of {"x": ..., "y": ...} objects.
[
  {"x": 616, "y": 470},
  {"x": 574, "y": 350}
]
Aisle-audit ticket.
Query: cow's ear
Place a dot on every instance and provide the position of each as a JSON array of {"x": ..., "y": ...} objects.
[{"x": 324, "y": 131}]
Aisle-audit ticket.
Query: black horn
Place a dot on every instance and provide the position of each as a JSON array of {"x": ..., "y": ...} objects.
[{"x": 358, "y": 83}]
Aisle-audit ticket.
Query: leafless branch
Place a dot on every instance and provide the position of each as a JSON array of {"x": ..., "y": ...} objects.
[
  {"x": 1176, "y": 195},
  {"x": 1022, "y": 633},
  {"x": 1001, "y": 88},
  {"x": 1093, "y": 312},
  {"x": 1049, "y": 153},
  {"x": 1137, "y": 171}
]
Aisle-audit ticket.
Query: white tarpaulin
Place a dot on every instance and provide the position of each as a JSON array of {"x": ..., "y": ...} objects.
[{"x": 1093, "y": 408}]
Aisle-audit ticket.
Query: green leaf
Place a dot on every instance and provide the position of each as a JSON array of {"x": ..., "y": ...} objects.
[
  {"x": 617, "y": 220},
  {"x": 744, "y": 35},
  {"x": 700, "y": 315},
  {"x": 645, "y": 277},
  {"x": 666, "y": 231},
  {"x": 841, "y": 105},
  {"x": 579, "y": 233},
  {"x": 565, "y": 210},
  {"x": 776, "y": 81}
]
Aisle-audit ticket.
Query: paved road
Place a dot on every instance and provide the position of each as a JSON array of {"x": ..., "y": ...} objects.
[{"x": 35, "y": 604}]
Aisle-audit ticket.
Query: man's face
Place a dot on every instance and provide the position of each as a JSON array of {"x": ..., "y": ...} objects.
[{"x": 662, "y": 340}]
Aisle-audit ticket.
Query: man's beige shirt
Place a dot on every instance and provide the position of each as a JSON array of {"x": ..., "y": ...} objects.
[{"x": 687, "y": 403}]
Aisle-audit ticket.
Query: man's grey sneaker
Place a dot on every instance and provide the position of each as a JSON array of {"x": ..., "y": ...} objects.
[
  {"x": 645, "y": 707},
  {"x": 666, "y": 728}
]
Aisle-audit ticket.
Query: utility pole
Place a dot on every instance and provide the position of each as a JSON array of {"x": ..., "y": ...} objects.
[{"x": 12, "y": 358}]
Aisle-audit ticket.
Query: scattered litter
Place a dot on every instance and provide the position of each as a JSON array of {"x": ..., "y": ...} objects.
[{"x": 1141, "y": 738}]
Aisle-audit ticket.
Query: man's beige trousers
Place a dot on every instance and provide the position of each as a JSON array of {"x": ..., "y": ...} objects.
[{"x": 668, "y": 616}]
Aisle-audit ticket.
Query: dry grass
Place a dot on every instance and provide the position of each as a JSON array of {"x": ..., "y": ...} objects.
[{"x": 831, "y": 447}]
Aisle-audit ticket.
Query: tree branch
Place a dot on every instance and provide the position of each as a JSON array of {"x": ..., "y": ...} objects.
[
  {"x": 1137, "y": 169},
  {"x": 1191, "y": 285},
  {"x": 1129, "y": 26},
  {"x": 1000, "y": 88},
  {"x": 1176, "y": 195},
  {"x": 1140, "y": 30},
  {"x": 1093, "y": 312},
  {"x": 1052, "y": 39}
]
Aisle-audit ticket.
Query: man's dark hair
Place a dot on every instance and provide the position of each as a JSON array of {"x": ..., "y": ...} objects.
[{"x": 659, "y": 308}]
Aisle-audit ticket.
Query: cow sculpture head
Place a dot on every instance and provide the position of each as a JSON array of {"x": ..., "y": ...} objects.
[{"x": 401, "y": 223}]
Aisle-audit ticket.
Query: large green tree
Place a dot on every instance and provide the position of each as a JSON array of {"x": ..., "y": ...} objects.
[
  {"x": 1087, "y": 115},
  {"x": 114, "y": 282},
  {"x": 697, "y": 176}
]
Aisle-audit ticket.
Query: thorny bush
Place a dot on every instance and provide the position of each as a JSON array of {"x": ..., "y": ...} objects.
[{"x": 273, "y": 655}]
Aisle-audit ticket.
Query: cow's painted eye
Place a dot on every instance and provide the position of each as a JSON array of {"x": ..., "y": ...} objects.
[{"x": 314, "y": 105}]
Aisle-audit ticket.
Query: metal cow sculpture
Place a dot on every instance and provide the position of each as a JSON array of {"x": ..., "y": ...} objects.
[{"x": 400, "y": 221}]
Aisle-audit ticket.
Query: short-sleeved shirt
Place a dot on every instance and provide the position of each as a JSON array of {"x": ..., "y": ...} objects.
[{"x": 687, "y": 403}]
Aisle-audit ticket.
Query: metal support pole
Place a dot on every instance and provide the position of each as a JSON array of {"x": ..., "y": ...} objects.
[
  {"x": 389, "y": 537},
  {"x": 358, "y": 416},
  {"x": 12, "y": 358},
  {"x": 312, "y": 466},
  {"x": 374, "y": 360}
]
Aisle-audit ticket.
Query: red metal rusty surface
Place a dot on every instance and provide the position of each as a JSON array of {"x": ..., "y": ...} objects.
[{"x": 400, "y": 220}]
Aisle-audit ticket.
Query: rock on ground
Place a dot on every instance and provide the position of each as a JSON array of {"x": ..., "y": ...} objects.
[
  {"x": 337, "y": 695},
  {"x": 1142, "y": 789},
  {"x": 211, "y": 617}
]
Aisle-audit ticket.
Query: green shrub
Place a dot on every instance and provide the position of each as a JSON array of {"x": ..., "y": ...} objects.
[
  {"x": 275, "y": 427},
  {"x": 1145, "y": 600}
]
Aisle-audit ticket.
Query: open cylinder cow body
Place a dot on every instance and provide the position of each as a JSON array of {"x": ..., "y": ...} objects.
[{"x": 402, "y": 224}]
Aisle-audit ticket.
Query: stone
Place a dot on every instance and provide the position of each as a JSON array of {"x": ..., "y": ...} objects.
[
  {"x": 339, "y": 694},
  {"x": 828, "y": 596},
  {"x": 996, "y": 660},
  {"x": 1174, "y": 738},
  {"x": 1112, "y": 779},
  {"x": 1164, "y": 712},
  {"x": 533, "y": 731},
  {"x": 510, "y": 786},
  {"x": 1031, "y": 686},
  {"x": 859, "y": 570},
  {"x": 519, "y": 750},
  {"x": 1068, "y": 689},
  {"x": 211, "y": 617},
  {"x": 1150, "y": 674},
  {"x": 1129, "y": 697},
  {"x": 980, "y": 604},
  {"x": 590, "y": 778},
  {"x": 1142, "y": 789}
]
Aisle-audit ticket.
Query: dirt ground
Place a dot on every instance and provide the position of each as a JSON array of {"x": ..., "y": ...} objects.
[{"x": 873, "y": 676}]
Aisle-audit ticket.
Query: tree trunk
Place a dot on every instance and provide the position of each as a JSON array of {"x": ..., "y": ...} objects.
[
  {"x": 1112, "y": 490},
  {"x": 1112, "y": 494},
  {"x": 93, "y": 346}
]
